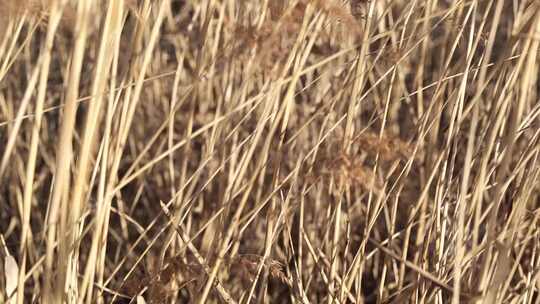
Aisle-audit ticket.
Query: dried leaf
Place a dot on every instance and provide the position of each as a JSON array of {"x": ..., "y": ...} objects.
[{"x": 12, "y": 273}]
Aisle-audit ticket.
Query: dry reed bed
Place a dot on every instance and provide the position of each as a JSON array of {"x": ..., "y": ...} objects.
[{"x": 285, "y": 151}]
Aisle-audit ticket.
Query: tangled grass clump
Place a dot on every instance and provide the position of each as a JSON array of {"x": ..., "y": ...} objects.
[{"x": 283, "y": 151}]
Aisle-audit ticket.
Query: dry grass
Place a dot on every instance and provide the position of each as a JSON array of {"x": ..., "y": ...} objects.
[{"x": 281, "y": 151}]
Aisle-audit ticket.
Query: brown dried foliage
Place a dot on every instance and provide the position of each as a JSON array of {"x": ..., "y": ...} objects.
[
  {"x": 349, "y": 170},
  {"x": 246, "y": 266},
  {"x": 352, "y": 168},
  {"x": 388, "y": 147},
  {"x": 373, "y": 163},
  {"x": 160, "y": 285},
  {"x": 273, "y": 41},
  {"x": 177, "y": 274}
]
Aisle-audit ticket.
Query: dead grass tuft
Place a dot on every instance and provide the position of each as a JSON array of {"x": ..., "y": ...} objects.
[{"x": 304, "y": 151}]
